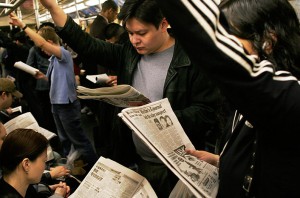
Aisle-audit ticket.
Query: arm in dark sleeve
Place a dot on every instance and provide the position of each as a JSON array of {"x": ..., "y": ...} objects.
[
  {"x": 253, "y": 87},
  {"x": 89, "y": 48},
  {"x": 200, "y": 114},
  {"x": 31, "y": 58},
  {"x": 46, "y": 178}
]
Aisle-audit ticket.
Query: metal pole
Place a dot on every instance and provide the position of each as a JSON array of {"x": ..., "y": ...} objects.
[{"x": 36, "y": 12}]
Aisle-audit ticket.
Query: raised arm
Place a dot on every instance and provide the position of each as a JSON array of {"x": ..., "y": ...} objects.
[
  {"x": 255, "y": 89},
  {"x": 58, "y": 15},
  {"x": 39, "y": 41}
]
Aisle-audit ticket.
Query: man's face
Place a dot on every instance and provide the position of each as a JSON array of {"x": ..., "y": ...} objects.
[
  {"x": 5, "y": 100},
  {"x": 145, "y": 37},
  {"x": 112, "y": 15},
  {"x": 2, "y": 134}
]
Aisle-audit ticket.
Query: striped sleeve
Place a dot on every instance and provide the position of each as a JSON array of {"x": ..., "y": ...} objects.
[{"x": 253, "y": 87}]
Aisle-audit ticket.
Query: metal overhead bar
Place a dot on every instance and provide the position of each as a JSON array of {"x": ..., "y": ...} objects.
[{"x": 10, "y": 7}]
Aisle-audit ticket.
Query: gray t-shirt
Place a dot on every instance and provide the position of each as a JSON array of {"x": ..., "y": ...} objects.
[{"x": 149, "y": 78}]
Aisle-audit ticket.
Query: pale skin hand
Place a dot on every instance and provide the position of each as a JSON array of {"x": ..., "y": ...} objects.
[
  {"x": 9, "y": 111},
  {"x": 113, "y": 80},
  {"x": 40, "y": 75},
  {"x": 16, "y": 21},
  {"x": 61, "y": 189},
  {"x": 205, "y": 156},
  {"x": 59, "y": 171}
]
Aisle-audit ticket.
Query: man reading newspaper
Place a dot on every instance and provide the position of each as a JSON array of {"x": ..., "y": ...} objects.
[{"x": 154, "y": 63}]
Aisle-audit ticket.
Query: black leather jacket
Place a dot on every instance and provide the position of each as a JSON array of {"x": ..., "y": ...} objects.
[{"x": 192, "y": 96}]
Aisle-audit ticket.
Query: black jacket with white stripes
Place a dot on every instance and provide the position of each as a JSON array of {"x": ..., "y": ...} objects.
[{"x": 267, "y": 99}]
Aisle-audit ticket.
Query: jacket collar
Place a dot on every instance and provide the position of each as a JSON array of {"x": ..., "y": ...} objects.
[{"x": 180, "y": 58}]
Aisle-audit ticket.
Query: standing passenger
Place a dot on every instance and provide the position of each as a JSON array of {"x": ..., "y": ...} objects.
[
  {"x": 23, "y": 158},
  {"x": 108, "y": 14},
  {"x": 155, "y": 64},
  {"x": 262, "y": 82},
  {"x": 63, "y": 96}
]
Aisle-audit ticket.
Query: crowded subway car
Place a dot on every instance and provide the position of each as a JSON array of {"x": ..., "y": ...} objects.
[{"x": 149, "y": 98}]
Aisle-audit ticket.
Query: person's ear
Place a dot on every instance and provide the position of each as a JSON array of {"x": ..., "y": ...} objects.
[
  {"x": 164, "y": 24},
  {"x": 267, "y": 47},
  {"x": 110, "y": 10},
  {"x": 3, "y": 94},
  {"x": 269, "y": 42},
  {"x": 50, "y": 41},
  {"x": 26, "y": 165}
]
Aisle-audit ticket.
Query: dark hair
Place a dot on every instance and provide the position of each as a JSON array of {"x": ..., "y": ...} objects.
[
  {"x": 20, "y": 36},
  {"x": 48, "y": 33},
  {"x": 144, "y": 10},
  {"x": 47, "y": 24},
  {"x": 109, "y": 4},
  {"x": 21, "y": 144},
  {"x": 113, "y": 30},
  {"x": 260, "y": 21}
]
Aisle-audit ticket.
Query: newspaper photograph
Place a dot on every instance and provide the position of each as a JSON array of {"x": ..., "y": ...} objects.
[
  {"x": 158, "y": 127},
  {"x": 120, "y": 95},
  {"x": 107, "y": 178}
]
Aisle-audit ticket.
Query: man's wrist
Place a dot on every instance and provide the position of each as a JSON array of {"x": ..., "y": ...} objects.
[{"x": 24, "y": 27}]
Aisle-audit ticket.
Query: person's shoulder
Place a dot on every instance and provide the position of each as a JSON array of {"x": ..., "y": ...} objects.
[
  {"x": 7, "y": 191},
  {"x": 99, "y": 19}
]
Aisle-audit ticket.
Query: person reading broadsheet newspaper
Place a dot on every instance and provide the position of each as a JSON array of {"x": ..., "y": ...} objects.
[
  {"x": 169, "y": 142},
  {"x": 107, "y": 178}
]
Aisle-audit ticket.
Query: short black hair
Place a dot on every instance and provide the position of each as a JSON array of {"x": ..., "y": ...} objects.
[
  {"x": 113, "y": 30},
  {"x": 145, "y": 10},
  {"x": 47, "y": 24},
  {"x": 20, "y": 36},
  {"x": 109, "y": 4}
]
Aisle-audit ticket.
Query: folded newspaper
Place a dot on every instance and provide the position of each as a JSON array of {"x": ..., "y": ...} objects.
[
  {"x": 27, "y": 121},
  {"x": 158, "y": 127},
  {"x": 110, "y": 179},
  {"x": 26, "y": 68},
  {"x": 120, "y": 95},
  {"x": 99, "y": 78}
]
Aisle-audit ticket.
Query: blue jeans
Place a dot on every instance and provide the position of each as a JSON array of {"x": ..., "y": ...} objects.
[{"x": 67, "y": 119}]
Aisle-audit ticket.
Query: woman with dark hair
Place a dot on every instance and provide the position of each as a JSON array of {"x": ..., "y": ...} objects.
[
  {"x": 22, "y": 157},
  {"x": 273, "y": 35},
  {"x": 257, "y": 69}
]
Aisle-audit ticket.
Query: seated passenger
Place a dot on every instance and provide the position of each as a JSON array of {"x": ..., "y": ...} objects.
[{"x": 23, "y": 163}]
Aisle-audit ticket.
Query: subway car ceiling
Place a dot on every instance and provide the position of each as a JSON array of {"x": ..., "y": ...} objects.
[{"x": 32, "y": 12}]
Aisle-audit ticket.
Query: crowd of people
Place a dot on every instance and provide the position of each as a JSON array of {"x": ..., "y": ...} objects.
[{"x": 240, "y": 54}]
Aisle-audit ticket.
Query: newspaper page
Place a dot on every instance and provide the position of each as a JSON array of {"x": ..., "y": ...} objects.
[
  {"x": 120, "y": 95},
  {"x": 158, "y": 127},
  {"x": 99, "y": 78},
  {"x": 26, "y": 68},
  {"x": 110, "y": 179},
  {"x": 145, "y": 191},
  {"x": 27, "y": 121}
]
